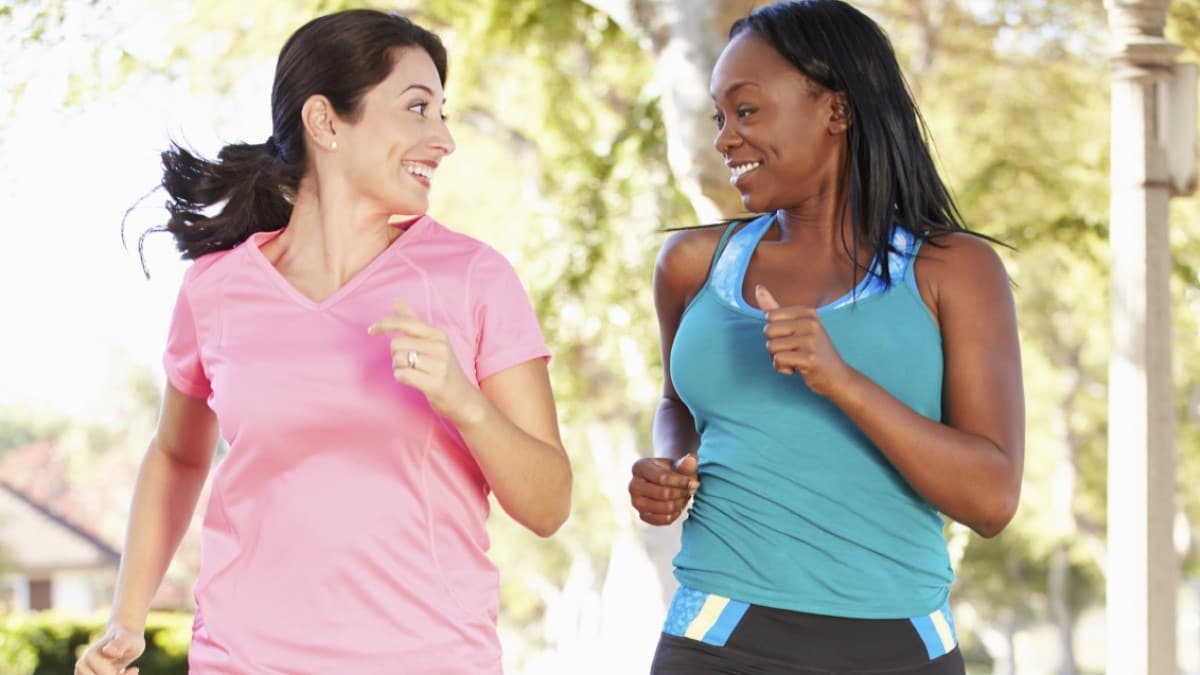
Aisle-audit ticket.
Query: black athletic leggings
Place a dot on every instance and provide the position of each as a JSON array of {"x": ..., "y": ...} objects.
[{"x": 710, "y": 635}]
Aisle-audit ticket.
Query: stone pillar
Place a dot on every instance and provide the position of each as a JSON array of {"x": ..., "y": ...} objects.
[{"x": 1142, "y": 568}]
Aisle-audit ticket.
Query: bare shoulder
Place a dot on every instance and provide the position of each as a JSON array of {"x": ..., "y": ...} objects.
[
  {"x": 685, "y": 257},
  {"x": 960, "y": 263}
]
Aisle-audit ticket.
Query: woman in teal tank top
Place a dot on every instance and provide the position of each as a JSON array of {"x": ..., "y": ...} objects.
[{"x": 840, "y": 373}]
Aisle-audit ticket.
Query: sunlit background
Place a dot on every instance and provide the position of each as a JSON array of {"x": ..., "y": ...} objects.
[{"x": 562, "y": 126}]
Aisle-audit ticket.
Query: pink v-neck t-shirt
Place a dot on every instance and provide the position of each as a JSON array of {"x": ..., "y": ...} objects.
[{"x": 345, "y": 526}]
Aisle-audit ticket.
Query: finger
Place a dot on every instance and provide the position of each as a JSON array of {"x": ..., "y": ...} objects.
[
  {"x": 660, "y": 494},
  {"x": 423, "y": 346},
  {"x": 101, "y": 666},
  {"x": 643, "y": 491},
  {"x": 115, "y": 647},
  {"x": 656, "y": 519},
  {"x": 766, "y": 301},
  {"x": 402, "y": 308},
  {"x": 414, "y": 377},
  {"x": 779, "y": 363},
  {"x": 403, "y": 324},
  {"x": 640, "y": 487},
  {"x": 651, "y": 468},
  {"x": 93, "y": 663},
  {"x": 805, "y": 322},
  {"x": 658, "y": 470},
  {"x": 429, "y": 353},
  {"x": 791, "y": 343},
  {"x": 689, "y": 465},
  {"x": 658, "y": 507}
]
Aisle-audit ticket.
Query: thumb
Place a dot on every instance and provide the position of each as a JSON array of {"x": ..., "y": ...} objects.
[
  {"x": 687, "y": 465},
  {"x": 766, "y": 301},
  {"x": 403, "y": 309},
  {"x": 121, "y": 645}
]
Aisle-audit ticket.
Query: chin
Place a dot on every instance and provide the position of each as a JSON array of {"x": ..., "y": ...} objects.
[
  {"x": 409, "y": 207},
  {"x": 754, "y": 203}
]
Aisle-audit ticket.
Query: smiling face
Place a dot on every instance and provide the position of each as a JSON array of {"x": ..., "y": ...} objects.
[
  {"x": 392, "y": 149},
  {"x": 782, "y": 136}
]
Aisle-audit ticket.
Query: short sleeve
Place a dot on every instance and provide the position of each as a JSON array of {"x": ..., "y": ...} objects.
[
  {"x": 506, "y": 327},
  {"x": 181, "y": 360}
]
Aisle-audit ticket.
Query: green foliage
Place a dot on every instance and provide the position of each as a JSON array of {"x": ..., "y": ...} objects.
[
  {"x": 47, "y": 643},
  {"x": 1035, "y": 176},
  {"x": 565, "y": 93},
  {"x": 21, "y": 426}
]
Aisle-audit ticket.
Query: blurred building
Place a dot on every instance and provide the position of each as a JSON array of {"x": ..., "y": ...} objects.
[{"x": 47, "y": 562}]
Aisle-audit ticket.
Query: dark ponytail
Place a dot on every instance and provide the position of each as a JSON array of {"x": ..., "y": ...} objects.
[
  {"x": 340, "y": 56},
  {"x": 252, "y": 182}
]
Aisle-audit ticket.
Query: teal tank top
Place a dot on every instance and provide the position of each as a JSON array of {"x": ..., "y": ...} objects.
[{"x": 797, "y": 508}]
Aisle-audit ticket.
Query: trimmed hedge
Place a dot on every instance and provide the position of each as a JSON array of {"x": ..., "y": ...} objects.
[{"x": 47, "y": 643}]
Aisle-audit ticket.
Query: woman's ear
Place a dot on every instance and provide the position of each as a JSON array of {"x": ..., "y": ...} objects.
[
  {"x": 839, "y": 113},
  {"x": 320, "y": 122}
]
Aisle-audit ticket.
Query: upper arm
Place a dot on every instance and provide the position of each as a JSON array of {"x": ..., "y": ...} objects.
[
  {"x": 187, "y": 429},
  {"x": 679, "y": 273},
  {"x": 983, "y": 393},
  {"x": 523, "y": 394}
]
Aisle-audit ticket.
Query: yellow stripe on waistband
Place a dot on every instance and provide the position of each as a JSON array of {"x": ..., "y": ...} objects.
[
  {"x": 708, "y": 615},
  {"x": 943, "y": 630}
]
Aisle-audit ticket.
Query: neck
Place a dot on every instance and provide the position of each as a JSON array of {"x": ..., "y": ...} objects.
[
  {"x": 821, "y": 222},
  {"x": 331, "y": 234}
]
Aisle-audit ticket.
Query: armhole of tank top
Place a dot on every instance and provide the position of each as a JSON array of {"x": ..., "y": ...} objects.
[
  {"x": 910, "y": 270},
  {"x": 721, "y": 245},
  {"x": 910, "y": 281},
  {"x": 712, "y": 265}
]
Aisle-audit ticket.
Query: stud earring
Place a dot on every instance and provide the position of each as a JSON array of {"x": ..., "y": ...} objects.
[{"x": 333, "y": 145}]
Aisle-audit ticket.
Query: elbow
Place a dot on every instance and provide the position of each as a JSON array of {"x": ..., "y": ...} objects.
[
  {"x": 996, "y": 516},
  {"x": 550, "y": 522},
  {"x": 552, "y": 518},
  {"x": 548, "y": 528}
]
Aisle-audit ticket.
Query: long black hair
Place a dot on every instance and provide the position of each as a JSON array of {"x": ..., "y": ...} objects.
[
  {"x": 340, "y": 56},
  {"x": 892, "y": 179}
]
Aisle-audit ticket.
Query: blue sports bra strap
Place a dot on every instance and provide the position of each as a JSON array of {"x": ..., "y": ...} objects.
[
  {"x": 910, "y": 273},
  {"x": 724, "y": 241}
]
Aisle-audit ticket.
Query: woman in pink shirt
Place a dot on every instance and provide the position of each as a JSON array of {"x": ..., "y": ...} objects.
[{"x": 373, "y": 380}]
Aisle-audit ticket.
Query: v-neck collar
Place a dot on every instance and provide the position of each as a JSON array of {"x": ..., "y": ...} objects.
[{"x": 259, "y": 239}]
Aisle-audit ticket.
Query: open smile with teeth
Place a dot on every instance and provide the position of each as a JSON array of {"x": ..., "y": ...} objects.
[
  {"x": 421, "y": 170},
  {"x": 742, "y": 169}
]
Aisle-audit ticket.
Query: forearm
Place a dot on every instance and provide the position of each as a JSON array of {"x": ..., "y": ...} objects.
[
  {"x": 531, "y": 478},
  {"x": 164, "y": 500},
  {"x": 674, "y": 430},
  {"x": 966, "y": 476}
]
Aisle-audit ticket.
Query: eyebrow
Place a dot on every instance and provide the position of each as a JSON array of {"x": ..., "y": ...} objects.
[
  {"x": 417, "y": 86},
  {"x": 734, "y": 87}
]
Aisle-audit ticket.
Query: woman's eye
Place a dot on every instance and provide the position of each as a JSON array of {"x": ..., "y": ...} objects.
[
  {"x": 718, "y": 119},
  {"x": 419, "y": 107},
  {"x": 744, "y": 112}
]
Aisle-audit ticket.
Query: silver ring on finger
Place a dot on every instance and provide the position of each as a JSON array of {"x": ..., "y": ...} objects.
[{"x": 412, "y": 358}]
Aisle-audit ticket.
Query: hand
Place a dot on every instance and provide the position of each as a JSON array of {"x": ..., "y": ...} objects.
[
  {"x": 423, "y": 359},
  {"x": 660, "y": 491},
  {"x": 112, "y": 653},
  {"x": 798, "y": 343}
]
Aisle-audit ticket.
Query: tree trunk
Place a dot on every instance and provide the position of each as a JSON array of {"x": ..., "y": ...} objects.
[
  {"x": 684, "y": 38},
  {"x": 1060, "y": 608}
]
